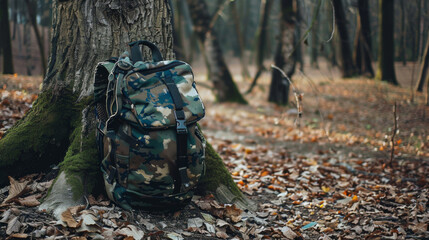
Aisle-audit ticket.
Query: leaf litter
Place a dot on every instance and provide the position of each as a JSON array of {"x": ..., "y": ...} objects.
[{"x": 309, "y": 183}]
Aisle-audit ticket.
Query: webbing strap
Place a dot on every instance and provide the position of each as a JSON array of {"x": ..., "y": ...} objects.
[{"x": 181, "y": 131}]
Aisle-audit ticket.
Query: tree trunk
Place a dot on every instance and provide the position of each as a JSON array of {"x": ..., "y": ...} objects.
[
  {"x": 403, "y": 44},
  {"x": 32, "y": 16},
  {"x": 315, "y": 41},
  {"x": 386, "y": 67},
  {"x": 5, "y": 42},
  {"x": 224, "y": 86},
  {"x": 347, "y": 66},
  {"x": 261, "y": 39},
  {"x": 61, "y": 124},
  {"x": 298, "y": 51},
  {"x": 279, "y": 89},
  {"x": 240, "y": 40},
  {"x": 362, "y": 55},
  {"x": 424, "y": 68},
  {"x": 179, "y": 49}
]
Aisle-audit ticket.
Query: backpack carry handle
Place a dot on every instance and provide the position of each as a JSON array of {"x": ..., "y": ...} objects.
[{"x": 136, "y": 54}]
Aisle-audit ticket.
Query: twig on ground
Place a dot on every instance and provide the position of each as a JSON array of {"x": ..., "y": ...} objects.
[{"x": 392, "y": 139}]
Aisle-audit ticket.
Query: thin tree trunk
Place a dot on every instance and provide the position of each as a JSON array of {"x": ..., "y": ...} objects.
[
  {"x": 224, "y": 87},
  {"x": 5, "y": 41},
  {"x": 261, "y": 36},
  {"x": 386, "y": 67},
  {"x": 244, "y": 70},
  {"x": 362, "y": 55},
  {"x": 179, "y": 48},
  {"x": 347, "y": 66},
  {"x": 315, "y": 42},
  {"x": 279, "y": 88},
  {"x": 61, "y": 124},
  {"x": 298, "y": 51},
  {"x": 403, "y": 44},
  {"x": 424, "y": 68},
  {"x": 32, "y": 16},
  {"x": 421, "y": 28}
]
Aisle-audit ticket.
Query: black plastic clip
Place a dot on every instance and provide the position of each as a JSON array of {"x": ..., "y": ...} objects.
[{"x": 181, "y": 124}]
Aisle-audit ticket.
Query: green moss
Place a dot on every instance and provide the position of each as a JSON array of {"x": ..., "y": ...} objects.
[
  {"x": 81, "y": 163},
  {"x": 216, "y": 174},
  {"x": 40, "y": 139}
]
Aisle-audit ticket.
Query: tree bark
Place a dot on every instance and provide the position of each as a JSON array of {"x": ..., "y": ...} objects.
[
  {"x": 279, "y": 88},
  {"x": 32, "y": 16},
  {"x": 403, "y": 44},
  {"x": 224, "y": 87},
  {"x": 347, "y": 67},
  {"x": 386, "y": 67},
  {"x": 362, "y": 55},
  {"x": 424, "y": 68},
  {"x": 261, "y": 39},
  {"x": 61, "y": 124},
  {"x": 240, "y": 40},
  {"x": 315, "y": 41},
  {"x": 5, "y": 41}
]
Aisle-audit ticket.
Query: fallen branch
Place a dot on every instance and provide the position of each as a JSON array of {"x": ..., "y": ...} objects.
[{"x": 392, "y": 139}]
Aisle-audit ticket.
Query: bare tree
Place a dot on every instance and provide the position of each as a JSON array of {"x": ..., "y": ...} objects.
[
  {"x": 261, "y": 36},
  {"x": 5, "y": 41},
  {"x": 279, "y": 89},
  {"x": 346, "y": 59},
  {"x": 362, "y": 53},
  {"x": 424, "y": 68},
  {"x": 386, "y": 67},
  {"x": 224, "y": 87}
]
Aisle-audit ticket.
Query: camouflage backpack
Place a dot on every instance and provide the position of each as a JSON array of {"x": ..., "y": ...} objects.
[{"x": 151, "y": 150}]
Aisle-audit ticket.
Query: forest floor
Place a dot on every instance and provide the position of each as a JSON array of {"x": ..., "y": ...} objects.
[{"x": 327, "y": 175}]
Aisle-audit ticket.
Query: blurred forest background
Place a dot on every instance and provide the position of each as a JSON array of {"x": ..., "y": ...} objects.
[{"x": 344, "y": 35}]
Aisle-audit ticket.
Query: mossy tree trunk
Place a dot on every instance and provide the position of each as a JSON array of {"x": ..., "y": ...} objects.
[
  {"x": 224, "y": 87},
  {"x": 60, "y": 128},
  {"x": 279, "y": 88},
  {"x": 386, "y": 67}
]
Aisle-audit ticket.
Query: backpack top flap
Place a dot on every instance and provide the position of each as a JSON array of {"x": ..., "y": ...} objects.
[{"x": 148, "y": 100}]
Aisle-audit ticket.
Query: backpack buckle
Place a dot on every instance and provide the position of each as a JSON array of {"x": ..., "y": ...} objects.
[
  {"x": 181, "y": 124},
  {"x": 181, "y": 127}
]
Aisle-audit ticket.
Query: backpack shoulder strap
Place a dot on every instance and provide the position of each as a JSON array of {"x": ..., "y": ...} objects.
[{"x": 102, "y": 71}]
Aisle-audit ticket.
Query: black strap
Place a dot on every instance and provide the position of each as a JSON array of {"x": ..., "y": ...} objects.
[
  {"x": 181, "y": 131},
  {"x": 113, "y": 165},
  {"x": 136, "y": 54}
]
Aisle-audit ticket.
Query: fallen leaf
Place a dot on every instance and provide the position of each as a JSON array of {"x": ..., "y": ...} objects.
[
  {"x": 195, "y": 222},
  {"x": 288, "y": 233},
  {"x": 29, "y": 201},
  {"x": 174, "y": 236},
  {"x": 13, "y": 226},
  {"x": 222, "y": 235},
  {"x": 18, "y": 235},
  {"x": 67, "y": 217},
  {"x": 16, "y": 189},
  {"x": 131, "y": 231}
]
